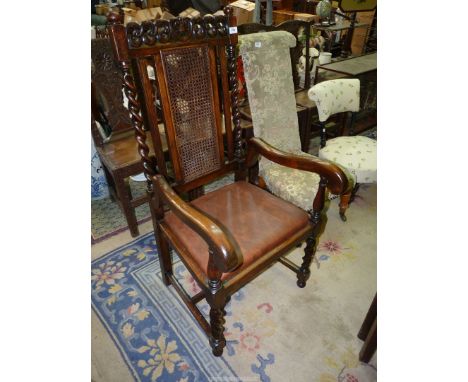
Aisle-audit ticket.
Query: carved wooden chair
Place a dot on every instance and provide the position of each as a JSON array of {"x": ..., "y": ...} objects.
[
  {"x": 115, "y": 142},
  {"x": 226, "y": 237},
  {"x": 356, "y": 154},
  {"x": 304, "y": 106}
]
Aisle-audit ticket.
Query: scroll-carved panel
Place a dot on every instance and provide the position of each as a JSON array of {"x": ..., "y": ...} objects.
[
  {"x": 152, "y": 32},
  {"x": 107, "y": 79}
]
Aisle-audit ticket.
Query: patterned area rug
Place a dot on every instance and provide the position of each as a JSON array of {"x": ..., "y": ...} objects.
[{"x": 274, "y": 330}]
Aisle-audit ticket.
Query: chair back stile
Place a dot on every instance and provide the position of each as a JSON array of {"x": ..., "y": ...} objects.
[
  {"x": 194, "y": 92},
  {"x": 295, "y": 27},
  {"x": 150, "y": 114}
]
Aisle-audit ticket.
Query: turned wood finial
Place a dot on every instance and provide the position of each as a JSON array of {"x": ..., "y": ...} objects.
[
  {"x": 228, "y": 11},
  {"x": 115, "y": 18}
]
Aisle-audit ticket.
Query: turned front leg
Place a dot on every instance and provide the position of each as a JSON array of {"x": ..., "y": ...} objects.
[
  {"x": 157, "y": 214},
  {"x": 344, "y": 203},
  {"x": 217, "y": 300},
  {"x": 217, "y": 321},
  {"x": 304, "y": 271},
  {"x": 311, "y": 243}
]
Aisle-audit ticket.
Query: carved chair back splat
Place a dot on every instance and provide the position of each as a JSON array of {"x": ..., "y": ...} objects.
[{"x": 107, "y": 86}]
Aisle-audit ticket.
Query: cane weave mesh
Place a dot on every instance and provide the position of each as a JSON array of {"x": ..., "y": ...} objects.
[{"x": 191, "y": 100}]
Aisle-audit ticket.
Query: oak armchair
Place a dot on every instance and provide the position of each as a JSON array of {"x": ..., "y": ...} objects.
[{"x": 226, "y": 237}]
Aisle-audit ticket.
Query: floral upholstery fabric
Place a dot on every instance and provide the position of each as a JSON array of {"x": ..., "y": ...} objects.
[
  {"x": 268, "y": 75},
  {"x": 357, "y": 154},
  {"x": 295, "y": 186},
  {"x": 335, "y": 96}
]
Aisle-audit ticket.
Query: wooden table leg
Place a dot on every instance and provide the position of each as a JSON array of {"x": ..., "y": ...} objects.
[
  {"x": 370, "y": 344},
  {"x": 368, "y": 333},
  {"x": 371, "y": 316}
]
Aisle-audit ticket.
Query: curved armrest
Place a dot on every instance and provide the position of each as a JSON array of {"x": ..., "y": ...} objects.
[
  {"x": 227, "y": 254},
  {"x": 337, "y": 180}
]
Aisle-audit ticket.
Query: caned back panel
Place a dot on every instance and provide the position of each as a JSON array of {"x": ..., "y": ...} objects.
[{"x": 193, "y": 104}]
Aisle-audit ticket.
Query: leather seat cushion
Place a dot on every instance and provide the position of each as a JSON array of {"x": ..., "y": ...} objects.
[{"x": 257, "y": 220}]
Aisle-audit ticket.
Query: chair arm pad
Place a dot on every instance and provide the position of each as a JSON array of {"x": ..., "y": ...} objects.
[
  {"x": 337, "y": 181},
  {"x": 227, "y": 254}
]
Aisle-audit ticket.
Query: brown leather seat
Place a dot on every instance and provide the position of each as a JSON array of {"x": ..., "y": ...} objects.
[{"x": 257, "y": 220}]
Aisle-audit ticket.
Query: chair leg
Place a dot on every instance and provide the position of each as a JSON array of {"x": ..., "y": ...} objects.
[
  {"x": 164, "y": 255},
  {"x": 217, "y": 321},
  {"x": 354, "y": 192},
  {"x": 217, "y": 299},
  {"x": 368, "y": 320},
  {"x": 306, "y": 133},
  {"x": 344, "y": 204},
  {"x": 124, "y": 194},
  {"x": 110, "y": 183},
  {"x": 346, "y": 200},
  {"x": 370, "y": 344},
  {"x": 309, "y": 253},
  {"x": 318, "y": 219}
]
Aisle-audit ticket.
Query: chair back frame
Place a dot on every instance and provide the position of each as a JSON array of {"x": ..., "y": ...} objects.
[
  {"x": 293, "y": 27},
  {"x": 347, "y": 121},
  {"x": 160, "y": 44}
]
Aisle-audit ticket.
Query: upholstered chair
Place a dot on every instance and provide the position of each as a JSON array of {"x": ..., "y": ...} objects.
[
  {"x": 357, "y": 155},
  {"x": 268, "y": 75}
]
